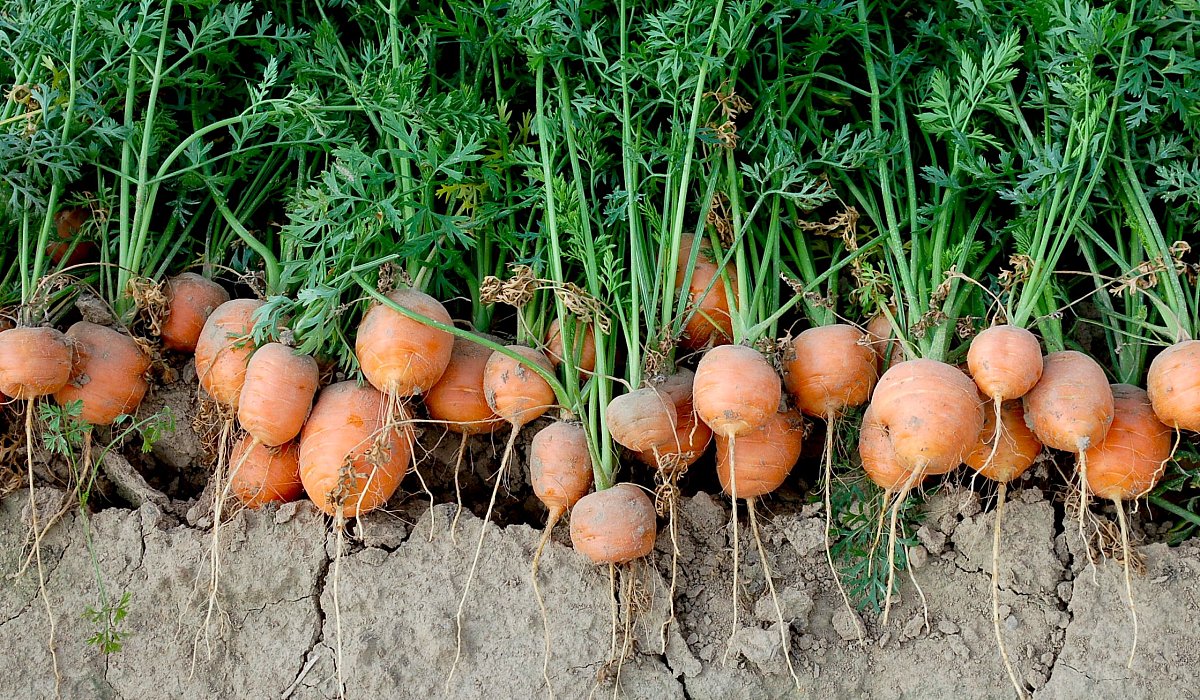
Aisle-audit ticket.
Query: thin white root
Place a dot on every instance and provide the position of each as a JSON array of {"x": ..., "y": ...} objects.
[
  {"x": 1128, "y": 582},
  {"x": 736, "y": 547},
  {"x": 551, "y": 521},
  {"x": 487, "y": 517},
  {"x": 920, "y": 594},
  {"x": 220, "y": 490},
  {"x": 828, "y": 493},
  {"x": 783, "y": 626},
  {"x": 883, "y": 509},
  {"x": 891, "y": 577},
  {"x": 458, "y": 462},
  {"x": 37, "y": 550},
  {"x": 1008, "y": 667},
  {"x": 671, "y": 528},
  {"x": 340, "y": 524},
  {"x": 627, "y": 605}
]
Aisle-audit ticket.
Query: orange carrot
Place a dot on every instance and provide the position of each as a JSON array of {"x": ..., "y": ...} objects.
[
  {"x": 764, "y": 456},
  {"x": 1173, "y": 383},
  {"x": 265, "y": 474},
  {"x": 516, "y": 393},
  {"x": 224, "y": 348},
  {"x": 277, "y": 393},
  {"x": 830, "y": 369},
  {"x": 1015, "y": 452},
  {"x": 710, "y": 324},
  {"x": 584, "y": 354},
  {"x": 107, "y": 373},
  {"x": 1131, "y": 458},
  {"x": 350, "y": 459},
  {"x": 1005, "y": 361},
  {"x": 67, "y": 223},
  {"x": 457, "y": 400},
  {"x": 191, "y": 299},
  {"x": 614, "y": 526},
  {"x": 1071, "y": 406},
  {"x": 643, "y": 420},
  {"x": 736, "y": 390},
  {"x": 401, "y": 356},
  {"x": 33, "y": 362}
]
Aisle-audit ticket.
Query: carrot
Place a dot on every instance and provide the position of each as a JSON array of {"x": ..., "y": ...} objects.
[
  {"x": 1173, "y": 384},
  {"x": 1005, "y": 361},
  {"x": 882, "y": 338},
  {"x": 643, "y": 420},
  {"x": 191, "y": 299},
  {"x": 265, "y": 474},
  {"x": 33, "y": 362},
  {"x": 584, "y": 351},
  {"x": 277, "y": 393},
  {"x": 107, "y": 373},
  {"x": 764, "y": 457},
  {"x": 351, "y": 460},
  {"x": 692, "y": 437},
  {"x": 457, "y": 400},
  {"x": 878, "y": 457},
  {"x": 614, "y": 526},
  {"x": 519, "y": 395},
  {"x": 401, "y": 356},
  {"x": 931, "y": 417},
  {"x": 828, "y": 370},
  {"x": 1126, "y": 464},
  {"x": 709, "y": 323},
  {"x": 67, "y": 223},
  {"x": 1006, "y": 449},
  {"x": 223, "y": 350},
  {"x": 560, "y": 471},
  {"x": 736, "y": 390}
]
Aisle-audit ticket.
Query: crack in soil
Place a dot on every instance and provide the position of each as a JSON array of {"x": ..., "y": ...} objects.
[{"x": 319, "y": 636}]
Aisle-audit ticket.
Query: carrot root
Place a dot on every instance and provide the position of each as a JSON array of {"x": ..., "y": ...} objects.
[
  {"x": 37, "y": 549},
  {"x": 458, "y": 462},
  {"x": 1008, "y": 667},
  {"x": 462, "y": 602},
  {"x": 783, "y": 626},
  {"x": 736, "y": 536},
  {"x": 891, "y": 577},
  {"x": 1128, "y": 583},
  {"x": 551, "y": 521}
]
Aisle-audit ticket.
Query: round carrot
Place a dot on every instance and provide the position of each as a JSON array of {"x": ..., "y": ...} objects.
[
  {"x": 879, "y": 459},
  {"x": 736, "y": 390},
  {"x": 709, "y": 323},
  {"x": 191, "y": 299},
  {"x": 679, "y": 386},
  {"x": 642, "y": 420},
  {"x": 107, "y": 373},
  {"x": 882, "y": 338},
  {"x": 1071, "y": 406},
  {"x": 33, "y": 362},
  {"x": 401, "y": 356},
  {"x": 67, "y": 223},
  {"x": 1005, "y": 361},
  {"x": 265, "y": 474},
  {"x": 692, "y": 438},
  {"x": 830, "y": 369},
  {"x": 457, "y": 400},
  {"x": 560, "y": 467},
  {"x": 931, "y": 413},
  {"x": 614, "y": 526},
  {"x": 224, "y": 348},
  {"x": 348, "y": 456},
  {"x": 1131, "y": 458},
  {"x": 764, "y": 457},
  {"x": 516, "y": 393},
  {"x": 1173, "y": 384},
  {"x": 584, "y": 342},
  {"x": 1018, "y": 448},
  {"x": 277, "y": 393}
]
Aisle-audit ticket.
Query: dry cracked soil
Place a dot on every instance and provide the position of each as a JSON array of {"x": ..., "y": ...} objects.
[{"x": 293, "y": 619}]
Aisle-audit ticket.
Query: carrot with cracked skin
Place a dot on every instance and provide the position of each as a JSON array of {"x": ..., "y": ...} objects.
[
  {"x": 224, "y": 348},
  {"x": 401, "y": 356},
  {"x": 265, "y": 474},
  {"x": 108, "y": 373},
  {"x": 191, "y": 299},
  {"x": 277, "y": 393},
  {"x": 351, "y": 458}
]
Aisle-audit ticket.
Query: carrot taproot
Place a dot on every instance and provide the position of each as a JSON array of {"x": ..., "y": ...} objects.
[
  {"x": 34, "y": 361},
  {"x": 614, "y": 526},
  {"x": 736, "y": 390},
  {"x": 829, "y": 369},
  {"x": 584, "y": 346},
  {"x": 67, "y": 223},
  {"x": 401, "y": 356},
  {"x": 642, "y": 420},
  {"x": 709, "y": 323},
  {"x": 108, "y": 373},
  {"x": 277, "y": 393},
  {"x": 457, "y": 401},
  {"x": 1071, "y": 406},
  {"x": 191, "y": 299},
  {"x": 764, "y": 457},
  {"x": 1005, "y": 362}
]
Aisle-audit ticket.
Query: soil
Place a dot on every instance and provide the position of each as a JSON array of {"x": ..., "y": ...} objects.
[{"x": 288, "y": 606}]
